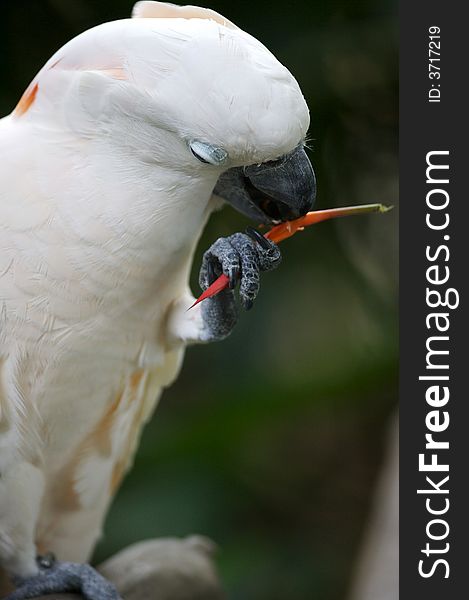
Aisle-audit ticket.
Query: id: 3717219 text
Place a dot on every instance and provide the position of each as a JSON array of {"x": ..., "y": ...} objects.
[{"x": 434, "y": 59}]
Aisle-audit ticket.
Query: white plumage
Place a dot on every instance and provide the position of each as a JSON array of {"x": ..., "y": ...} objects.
[{"x": 101, "y": 207}]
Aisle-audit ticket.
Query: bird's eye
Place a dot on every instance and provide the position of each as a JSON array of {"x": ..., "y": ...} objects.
[{"x": 207, "y": 153}]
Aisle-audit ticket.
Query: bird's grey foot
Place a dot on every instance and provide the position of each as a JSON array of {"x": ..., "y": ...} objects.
[
  {"x": 241, "y": 257},
  {"x": 60, "y": 577}
]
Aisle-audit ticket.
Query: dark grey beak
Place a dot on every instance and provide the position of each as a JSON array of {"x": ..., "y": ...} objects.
[{"x": 279, "y": 190}]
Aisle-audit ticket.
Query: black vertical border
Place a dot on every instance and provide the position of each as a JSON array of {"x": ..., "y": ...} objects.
[{"x": 424, "y": 127}]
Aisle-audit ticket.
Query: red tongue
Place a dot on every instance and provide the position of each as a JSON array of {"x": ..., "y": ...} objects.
[{"x": 281, "y": 232}]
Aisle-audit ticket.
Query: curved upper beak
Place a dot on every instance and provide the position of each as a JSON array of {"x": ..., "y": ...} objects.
[
  {"x": 280, "y": 190},
  {"x": 284, "y": 189}
]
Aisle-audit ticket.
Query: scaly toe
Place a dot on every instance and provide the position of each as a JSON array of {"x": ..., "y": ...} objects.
[{"x": 63, "y": 577}]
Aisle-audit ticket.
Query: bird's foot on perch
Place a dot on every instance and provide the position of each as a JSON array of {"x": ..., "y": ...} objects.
[{"x": 57, "y": 577}]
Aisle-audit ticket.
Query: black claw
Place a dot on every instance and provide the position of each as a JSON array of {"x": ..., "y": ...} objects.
[
  {"x": 258, "y": 237},
  {"x": 211, "y": 275},
  {"x": 234, "y": 276},
  {"x": 248, "y": 304},
  {"x": 46, "y": 561}
]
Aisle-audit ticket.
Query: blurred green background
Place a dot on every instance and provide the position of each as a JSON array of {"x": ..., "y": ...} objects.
[{"x": 271, "y": 442}]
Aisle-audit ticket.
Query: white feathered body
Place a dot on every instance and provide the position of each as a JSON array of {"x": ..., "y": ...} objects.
[
  {"x": 101, "y": 207},
  {"x": 83, "y": 315}
]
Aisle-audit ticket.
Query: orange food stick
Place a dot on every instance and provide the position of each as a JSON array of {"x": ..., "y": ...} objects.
[{"x": 282, "y": 231}]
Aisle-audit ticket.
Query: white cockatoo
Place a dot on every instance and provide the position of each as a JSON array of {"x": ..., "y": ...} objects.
[{"x": 110, "y": 165}]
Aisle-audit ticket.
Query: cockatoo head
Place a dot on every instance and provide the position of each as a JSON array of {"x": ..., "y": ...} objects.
[{"x": 188, "y": 90}]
